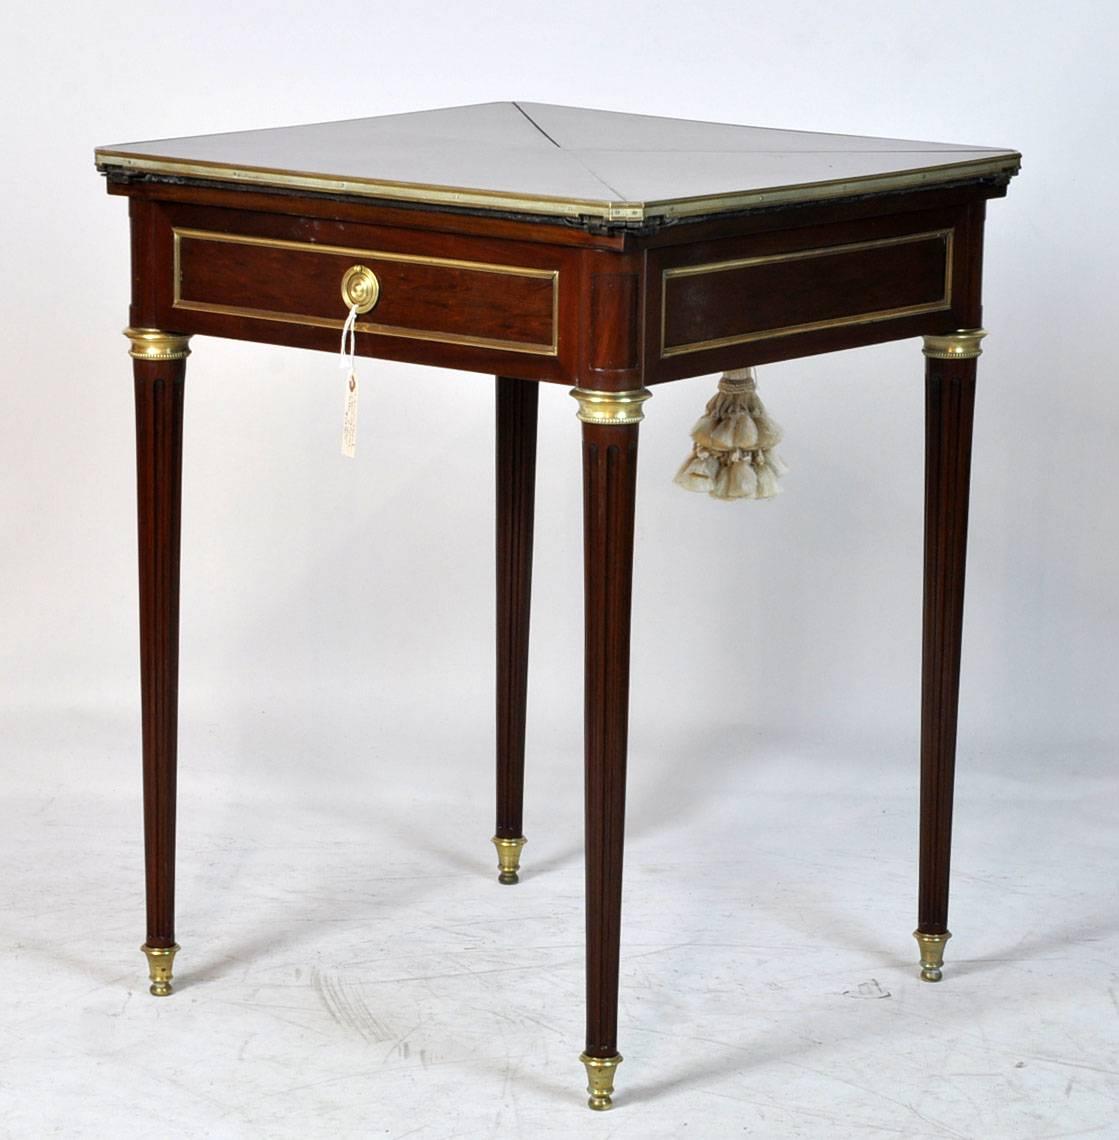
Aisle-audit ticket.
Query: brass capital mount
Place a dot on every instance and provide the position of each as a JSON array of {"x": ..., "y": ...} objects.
[
  {"x": 961, "y": 345},
  {"x": 616, "y": 408},
  {"x": 156, "y": 345}
]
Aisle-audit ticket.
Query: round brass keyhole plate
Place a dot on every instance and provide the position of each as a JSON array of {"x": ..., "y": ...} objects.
[{"x": 360, "y": 288}]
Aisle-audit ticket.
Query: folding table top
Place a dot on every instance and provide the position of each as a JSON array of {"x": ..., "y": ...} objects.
[{"x": 537, "y": 158}]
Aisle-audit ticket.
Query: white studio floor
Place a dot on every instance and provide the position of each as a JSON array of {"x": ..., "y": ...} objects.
[{"x": 351, "y": 967}]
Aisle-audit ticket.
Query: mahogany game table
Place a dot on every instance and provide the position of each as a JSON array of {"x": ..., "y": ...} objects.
[{"x": 545, "y": 244}]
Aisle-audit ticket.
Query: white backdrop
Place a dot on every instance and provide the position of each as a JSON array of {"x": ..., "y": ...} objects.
[{"x": 332, "y": 606}]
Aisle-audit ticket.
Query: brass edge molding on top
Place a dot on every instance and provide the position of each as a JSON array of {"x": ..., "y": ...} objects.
[
  {"x": 155, "y": 344},
  {"x": 1007, "y": 164},
  {"x": 942, "y": 303},
  {"x": 532, "y": 348},
  {"x": 961, "y": 345},
  {"x": 617, "y": 408}
]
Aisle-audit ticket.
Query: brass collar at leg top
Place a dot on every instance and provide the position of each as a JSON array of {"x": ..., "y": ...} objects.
[
  {"x": 611, "y": 407},
  {"x": 961, "y": 345},
  {"x": 154, "y": 344}
]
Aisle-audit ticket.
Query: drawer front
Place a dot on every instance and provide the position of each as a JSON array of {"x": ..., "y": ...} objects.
[
  {"x": 438, "y": 299},
  {"x": 722, "y": 303}
]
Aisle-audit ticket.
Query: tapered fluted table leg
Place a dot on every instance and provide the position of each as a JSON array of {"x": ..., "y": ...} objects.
[
  {"x": 609, "y": 485},
  {"x": 159, "y": 366},
  {"x": 950, "y": 369},
  {"x": 516, "y": 493}
]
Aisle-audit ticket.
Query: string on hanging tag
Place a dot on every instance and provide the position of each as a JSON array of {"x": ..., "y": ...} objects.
[{"x": 347, "y": 362}]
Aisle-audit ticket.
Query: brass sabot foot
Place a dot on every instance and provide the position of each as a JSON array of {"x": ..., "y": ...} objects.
[
  {"x": 159, "y": 967},
  {"x": 508, "y": 857},
  {"x": 600, "y": 1080},
  {"x": 932, "y": 954}
]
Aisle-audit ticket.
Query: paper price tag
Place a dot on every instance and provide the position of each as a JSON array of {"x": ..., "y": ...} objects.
[{"x": 349, "y": 422}]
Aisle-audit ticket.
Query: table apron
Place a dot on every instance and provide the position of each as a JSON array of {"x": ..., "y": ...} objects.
[{"x": 598, "y": 318}]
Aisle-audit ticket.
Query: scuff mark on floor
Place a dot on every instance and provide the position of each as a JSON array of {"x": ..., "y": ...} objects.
[
  {"x": 347, "y": 1006},
  {"x": 870, "y": 989}
]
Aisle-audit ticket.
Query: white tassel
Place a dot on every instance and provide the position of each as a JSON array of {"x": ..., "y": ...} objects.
[
  {"x": 698, "y": 471},
  {"x": 732, "y": 455},
  {"x": 767, "y": 480},
  {"x": 769, "y": 434},
  {"x": 746, "y": 432},
  {"x": 741, "y": 481}
]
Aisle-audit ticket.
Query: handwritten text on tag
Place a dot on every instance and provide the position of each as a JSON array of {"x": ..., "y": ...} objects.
[{"x": 349, "y": 423}]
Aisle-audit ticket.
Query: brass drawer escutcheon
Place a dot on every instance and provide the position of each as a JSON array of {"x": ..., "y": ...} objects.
[{"x": 360, "y": 288}]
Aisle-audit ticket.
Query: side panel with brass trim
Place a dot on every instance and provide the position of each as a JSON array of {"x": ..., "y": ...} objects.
[
  {"x": 720, "y": 303},
  {"x": 792, "y": 293}
]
